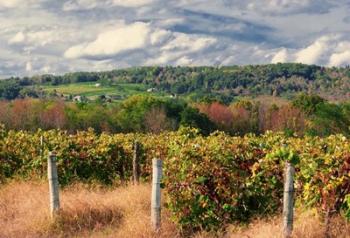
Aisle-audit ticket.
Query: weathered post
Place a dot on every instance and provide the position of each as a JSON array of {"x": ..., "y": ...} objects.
[
  {"x": 41, "y": 145},
  {"x": 156, "y": 195},
  {"x": 288, "y": 200},
  {"x": 135, "y": 163},
  {"x": 42, "y": 148},
  {"x": 53, "y": 184}
]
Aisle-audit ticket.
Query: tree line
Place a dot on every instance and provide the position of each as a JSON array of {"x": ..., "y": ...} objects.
[
  {"x": 223, "y": 82},
  {"x": 305, "y": 114}
]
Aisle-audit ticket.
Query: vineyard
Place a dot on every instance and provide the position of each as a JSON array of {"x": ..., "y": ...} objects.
[{"x": 208, "y": 181}]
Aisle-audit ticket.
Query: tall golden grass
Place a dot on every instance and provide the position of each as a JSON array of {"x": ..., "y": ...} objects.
[
  {"x": 307, "y": 224},
  {"x": 96, "y": 211},
  {"x": 86, "y": 212}
]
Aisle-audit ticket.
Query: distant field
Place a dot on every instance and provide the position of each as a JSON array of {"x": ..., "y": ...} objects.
[
  {"x": 90, "y": 90},
  {"x": 124, "y": 90}
]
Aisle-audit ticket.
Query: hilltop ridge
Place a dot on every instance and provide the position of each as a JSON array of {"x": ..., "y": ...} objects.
[{"x": 227, "y": 81}]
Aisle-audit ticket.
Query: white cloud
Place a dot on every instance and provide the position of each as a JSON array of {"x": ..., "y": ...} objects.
[
  {"x": 331, "y": 50},
  {"x": 60, "y": 36},
  {"x": 74, "y": 5},
  {"x": 171, "y": 21},
  {"x": 132, "y": 3},
  {"x": 262, "y": 7},
  {"x": 181, "y": 49},
  {"x": 341, "y": 56},
  {"x": 278, "y": 6},
  {"x": 184, "y": 61},
  {"x": 187, "y": 42},
  {"x": 112, "y": 42},
  {"x": 18, "y": 38},
  {"x": 164, "y": 58},
  {"x": 81, "y": 4},
  {"x": 20, "y": 3},
  {"x": 9, "y": 3},
  {"x": 340, "y": 59},
  {"x": 159, "y": 37},
  {"x": 343, "y": 46},
  {"x": 167, "y": 46},
  {"x": 314, "y": 52},
  {"x": 45, "y": 69},
  {"x": 29, "y": 66},
  {"x": 280, "y": 57},
  {"x": 36, "y": 38},
  {"x": 42, "y": 37}
]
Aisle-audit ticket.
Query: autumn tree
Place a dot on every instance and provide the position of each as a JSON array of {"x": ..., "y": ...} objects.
[
  {"x": 53, "y": 117},
  {"x": 156, "y": 121},
  {"x": 220, "y": 114}
]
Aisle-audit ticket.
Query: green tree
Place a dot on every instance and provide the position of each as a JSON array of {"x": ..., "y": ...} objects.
[
  {"x": 308, "y": 103},
  {"x": 133, "y": 110},
  {"x": 191, "y": 117},
  {"x": 9, "y": 89}
]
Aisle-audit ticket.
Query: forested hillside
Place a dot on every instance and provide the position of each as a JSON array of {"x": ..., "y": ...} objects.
[{"x": 198, "y": 82}]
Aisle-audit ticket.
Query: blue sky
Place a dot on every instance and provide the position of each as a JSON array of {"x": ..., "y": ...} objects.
[{"x": 50, "y": 36}]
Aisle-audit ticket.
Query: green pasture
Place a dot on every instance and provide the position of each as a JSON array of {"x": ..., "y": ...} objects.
[{"x": 90, "y": 90}]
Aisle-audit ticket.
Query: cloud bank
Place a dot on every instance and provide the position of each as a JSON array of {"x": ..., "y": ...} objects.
[{"x": 41, "y": 36}]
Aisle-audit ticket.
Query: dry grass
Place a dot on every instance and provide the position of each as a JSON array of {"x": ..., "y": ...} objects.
[
  {"x": 306, "y": 225},
  {"x": 86, "y": 212},
  {"x": 121, "y": 212},
  {"x": 21, "y": 207}
]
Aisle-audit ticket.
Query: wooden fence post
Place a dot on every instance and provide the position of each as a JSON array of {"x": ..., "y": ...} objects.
[
  {"x": 288, "y": 200},
  {"x": 42, "y": 150},
  {"x": 53, "y": 184},
  {"x": 135, "y": 163},
  {"x": 41, "y": 146},
  {"x": 156, "y": 195}
]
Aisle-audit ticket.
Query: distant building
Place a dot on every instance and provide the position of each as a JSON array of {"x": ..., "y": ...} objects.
[
  {"x": 150, "y": 90},
  {"x": 77, "y": 98}
]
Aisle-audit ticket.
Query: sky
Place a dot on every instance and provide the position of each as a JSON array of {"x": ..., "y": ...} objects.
[{"x": 59, "y": 36}]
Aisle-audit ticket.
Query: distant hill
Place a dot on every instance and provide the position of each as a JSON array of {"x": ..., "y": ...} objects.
[{"x": 227, "y": 81}]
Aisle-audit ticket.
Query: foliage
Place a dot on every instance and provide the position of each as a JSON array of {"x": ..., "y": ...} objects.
[
  {"x": 216, "y": 180},
  {"x": 328, "y": 119},
  {"x": 9, "y": 89},
  {"x": 133, "y": 110},
  {"x": 220, "y": 114},
  {"x": 135, "y": 114},
  {"x": 208, "y": 181},
  {"x": 140, "y": 113},
  {"x": 206, "y": 83},
  {"x": 191, "y": 117},
  {"x": 308, "y": 103},
  {"x": 210, "y": 187}
]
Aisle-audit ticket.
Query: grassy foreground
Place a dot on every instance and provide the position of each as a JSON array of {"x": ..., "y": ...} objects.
[{"x": 120, "y": 212}]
